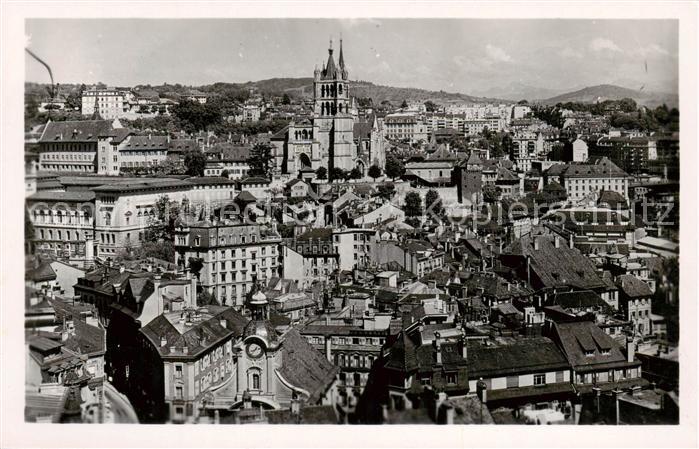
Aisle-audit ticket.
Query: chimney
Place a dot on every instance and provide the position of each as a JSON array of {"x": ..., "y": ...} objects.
[
  {"x": 163, "y": 341},
  {"x": 536, "y": 244},
  {"x": 557, "y": 242},
  {"x": 223, "y": 323},
  {"x": 438, "y": 346},
  {"x": 570, "y": 241},
  {"x": 630, "y": 349},
  {"x": 464, "y": 349}
]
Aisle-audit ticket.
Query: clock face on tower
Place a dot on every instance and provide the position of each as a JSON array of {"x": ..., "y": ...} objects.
[{"x": 254, "y": 350}]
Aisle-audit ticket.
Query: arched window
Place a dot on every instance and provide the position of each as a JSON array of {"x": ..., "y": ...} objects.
[
  {"x": 340, "y": 108},
  {"x": 340, "y": 89},
  {"x": 334, "y": 109}
]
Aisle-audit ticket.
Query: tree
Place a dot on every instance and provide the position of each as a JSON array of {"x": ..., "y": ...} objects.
[
  {"x": 433, "y": 202},
  {"x": 195, "y": 265},
  {"x": 322, "y": 173},
  {"x": 337, "y": 173},
  {"x": 204, "y": 298},
  {"x": 413, "y": 204},
  {"x": 194, "y": 116},
  {"x": 404, "y": 104},
  {"x": 386, "y": 191},
  {"x": 431, "y": 106},
  {"x": 260, "y": 160},
  {"x": 286, "y": 99},
  {"x": 491, "y": 194},
  {"x": 394, "y": 167},
  {"x": 374, "y": 171},
  {"x": 163, "y": 228},
  {"x": 194, "y": 162},
  {"x": 74, "y": 101},
  {"x": 355, "y": 173},
  {"x": 163, "y": 249},
  {"x": 225, "y": 174}
]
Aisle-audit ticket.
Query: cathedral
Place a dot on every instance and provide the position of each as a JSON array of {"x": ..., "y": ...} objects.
[{"x": 333, "y": 136}]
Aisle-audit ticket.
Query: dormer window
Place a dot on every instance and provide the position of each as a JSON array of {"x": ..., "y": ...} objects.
[{"x": 589, "y": 353}]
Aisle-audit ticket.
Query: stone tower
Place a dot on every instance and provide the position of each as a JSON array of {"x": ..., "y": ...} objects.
[
  {"x": 332, "y": 113},
  {"x": 469, "y": 182}
]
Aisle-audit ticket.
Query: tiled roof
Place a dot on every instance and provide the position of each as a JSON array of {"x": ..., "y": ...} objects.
[
  {"x": 562, "y": 266},
  {"x": 76, "y": 131},
  {"x": 633, "y": 287},
  {"x": 306, "y": 367},
  {"x": 578, "y": 300},
  {"x": 211, "y": 331},
  {"x": 577, "y": 336},
  {"x": 43, "y": 272},
  {"x": 147, "y": 142},
  {"x": 70, "y": 196},
  {"x": 523, "y": 356}
]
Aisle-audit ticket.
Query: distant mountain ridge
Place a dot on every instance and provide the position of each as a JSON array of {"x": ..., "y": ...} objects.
[
  {"x": 602, "y": 92},
  {"x": 303, "y": 87}
]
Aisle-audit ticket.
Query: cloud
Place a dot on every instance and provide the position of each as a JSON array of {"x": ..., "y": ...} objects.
[
  {"x": 497, "y": 54},
  {"x": 652, "y": 50},
  {"x": 571, "y": 53},
  {"x": 601, "y": 44}
]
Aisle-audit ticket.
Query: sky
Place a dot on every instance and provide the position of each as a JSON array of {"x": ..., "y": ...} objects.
[{"x": 471, "y": 56}]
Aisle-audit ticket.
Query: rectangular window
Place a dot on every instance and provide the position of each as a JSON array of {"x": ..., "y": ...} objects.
[
  {"x": 539, "y": 379},
  {"x": 178, "y": 371},
  {"x": 512, "y": 381},
  {"x": 178, "y": 392},
  {"x": 451, "y": 378}
]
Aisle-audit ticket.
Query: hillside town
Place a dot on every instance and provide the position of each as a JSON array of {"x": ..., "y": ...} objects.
[{"x": 232, "y": 254}]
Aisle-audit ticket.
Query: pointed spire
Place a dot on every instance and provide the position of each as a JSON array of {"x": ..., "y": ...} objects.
[{"x": 341, "y": 62}]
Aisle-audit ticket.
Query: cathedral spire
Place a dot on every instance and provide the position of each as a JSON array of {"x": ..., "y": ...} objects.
[{"x": 341, "y": 61}]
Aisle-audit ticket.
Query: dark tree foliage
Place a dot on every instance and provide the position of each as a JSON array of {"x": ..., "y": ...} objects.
[
  {"x": 194, "y": 116},
  {"x": 413, "y": 204},
  {"x": 387, "y": 191},
  {"x": 374, "y": 171},
  {"x": 338, "y": 174},
  {"x": 194, "y": 162},
  {"x": 394, "y": 167},
  {"x": 260, "y": 160},
  {"x": 434, "y": 202},
  {"x": 431, "y": 106},
  {"x": 355, "y": 173},
  {"x": 322, "y": 173}
]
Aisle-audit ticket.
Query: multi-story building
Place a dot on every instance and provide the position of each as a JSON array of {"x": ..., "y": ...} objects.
[
  {"x": 311, "y": 257},
  {"x": 143, "y": 151},
  {"x": 408, "y": 127},
  {"x": 414, "y": 256},
  {"x": 596, "y": 359},
  {"x": 352, "y": 343},
  {"x": 475, "y": 126},
  {"x": 123, "y": 211},
  {"x": 232, "y": 257},
  {"x": 635, "y": 297},
  {"x": 109, "y": 103},
  {"x": 354, "y": 247},
  {"x": 87, "y": 146},
  {"x": 582, "y": 180},
  {"x": 63, "y": 223},
  {"x": 631, "y": 154}
]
